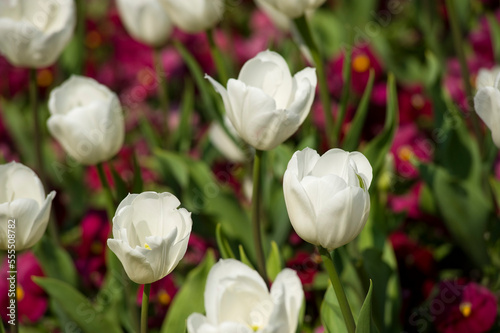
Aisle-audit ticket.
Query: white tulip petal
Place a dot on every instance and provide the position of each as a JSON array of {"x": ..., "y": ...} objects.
[
  {"x": 302, "y": 162},
  {"x": 487, "y": 105},
  {"x": 195, "y": 15},
  {"x": 300, "y": 209},
  {"x": 37, "y": 230},
  {"x": 288, "y": 296},
  {"x": 363, "y": 167},
  {"x": 342, "y": 218},
  {"x": 229, "y": 269},
  {"x": 135, "y": 264}
]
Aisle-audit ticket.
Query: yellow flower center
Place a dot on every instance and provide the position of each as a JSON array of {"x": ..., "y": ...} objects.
[
  {"x": 361, "y": 63},
  {"x": 147, "y": 246},
  {"x": 405, "y": 153},
  {"x": 164, "y": 298},
  {"x": 96, "y": 248},
  {"x": 93, "y": 40},
  {"x": 44, "y": 78},
  {"x": 466, "y": 309},
  {"x": 255, "y": 328},
  {"x": 418, "y": 101},
  {"x": 19, "y": 293}
]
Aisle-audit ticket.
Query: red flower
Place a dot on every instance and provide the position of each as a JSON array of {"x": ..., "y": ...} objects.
[
  {"x": 32, "y": 301},
  {"x": 469, "y": 309}
]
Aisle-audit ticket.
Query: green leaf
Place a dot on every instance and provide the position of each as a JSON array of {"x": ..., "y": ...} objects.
[
  {"x": 495, "y": 32},
  {"x": 243, "y": 257},
  {"x": 351, "y": 140},
  {"x": 189, "y": 299},
  {"x": 55, "y": 261},
  {"x": 377, "y": 149},
  {"x": 364, "y": 324},
  {"x": 77, "y": 307},
  {"x": 174, "y": 164},
  {"x": 274, "y": 262},
  {"x": 184, "y": 132},
  {"x": 222, "y": 243}
]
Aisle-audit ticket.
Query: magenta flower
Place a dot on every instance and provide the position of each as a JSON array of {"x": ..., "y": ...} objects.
[
  {"x": 32, "y": 301},
  {"x": 91, "y": 251},
  {"x": 472, "y": 310}
]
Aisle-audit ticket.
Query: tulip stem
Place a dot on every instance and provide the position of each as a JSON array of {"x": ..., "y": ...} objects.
[
  {"x": 464, "y": 69},
  {"x": 256, "y": 200},
  {"x": 339, "y": 290},
  {"x": 13, "y": 269},
  {"x": 161, "y": 80},
  {"x": 305, "y": 31},
  {"x": 217, "y": 57},
  {"x": 144, "y": 309},
  {"x": 107, "y": 189},
  {"x": 37, "y": 126}
]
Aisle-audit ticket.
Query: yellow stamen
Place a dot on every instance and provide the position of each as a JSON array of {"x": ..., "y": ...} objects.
[
  {"x": 361, "y": 63},
  {"x": 405, "y": 153},
  {"x": 44, "y": 78},
  {"x": 466, "y": 309},
  {"x": 96, "y": 248},
  {"x": 147, "y": 246},
  {"x": 19, "y": 293},
  {"x": 418, "y": 101},
  {"x": 255, "y": 328},
  {"x": 93, "y": 40},
  {"x": 164, "y": 298}
]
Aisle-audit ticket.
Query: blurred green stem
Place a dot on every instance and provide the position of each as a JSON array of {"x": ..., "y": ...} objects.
[
  {"x": 217, "y": 57},
  {"x": 111, "y": 203},
  {"x": 144, "y": 309},
  {"x": 80, "y": 35},
  {"x": 339, "y": 290},
  {"x": 161, "y": 79},
  {"x": 305, "y": 31},
  {"x": 464, "y": 69},
  {"x": 346, "y": 75},
  {"x": 38, "y": 140},
  {"x": 256, "y": 227}
]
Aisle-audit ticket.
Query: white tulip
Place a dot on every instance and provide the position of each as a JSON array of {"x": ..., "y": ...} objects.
[
  {"x": 33, "y": 33},
  {"x": 238, "y": 300},
  {"x": 145, "y": 20},
  {"x": 194, "y": 15},
  {"x": 486, "y": 77},
  {"x": 150, "y": 235},
  {"x": 327, "y": 197},
  {"x": 23, "y": 201},
  {"x": 87, "y": 120},
  {"x": 294, "y": 8},
  {"x": 487, "y": 106},
  {"x": 266, "y": 105},
  {"x": 278, "y": 18}
]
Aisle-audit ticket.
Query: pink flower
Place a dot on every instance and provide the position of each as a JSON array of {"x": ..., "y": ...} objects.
[
  {"x": 32, "y": 301},
  {"x": 471, "y": 308},
  {"x": 413, "y": 105},
  {"x": 408, "y": 143},
  {"x": 197, "y": 247},
  {"x": 408, "y": 202},
  {"x": 91, "y": 251}
]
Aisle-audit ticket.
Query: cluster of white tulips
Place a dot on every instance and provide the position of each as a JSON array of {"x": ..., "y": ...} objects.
[{"x": 326, "y": 196}]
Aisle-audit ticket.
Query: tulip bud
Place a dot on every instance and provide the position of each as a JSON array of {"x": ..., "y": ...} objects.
[
  {"x": 23, "y": 205},
  {"x": 487, "y": 106},
  {"x": 486, "y": 77},
  {"x": 194, "y": 15},
  {"x": 327, "y": 197},
  {"x": 145, "y": 20},
  {"x": 150, "y": 235},
  {"x": 278, "y": 18},
  {"x": 237, "y": 300},
  {"x": 33, "y": 33},
  {"x": 266, "y": 105},
  {"x": 87, "y": 120},
  {"x": 294, "y": 8}
]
